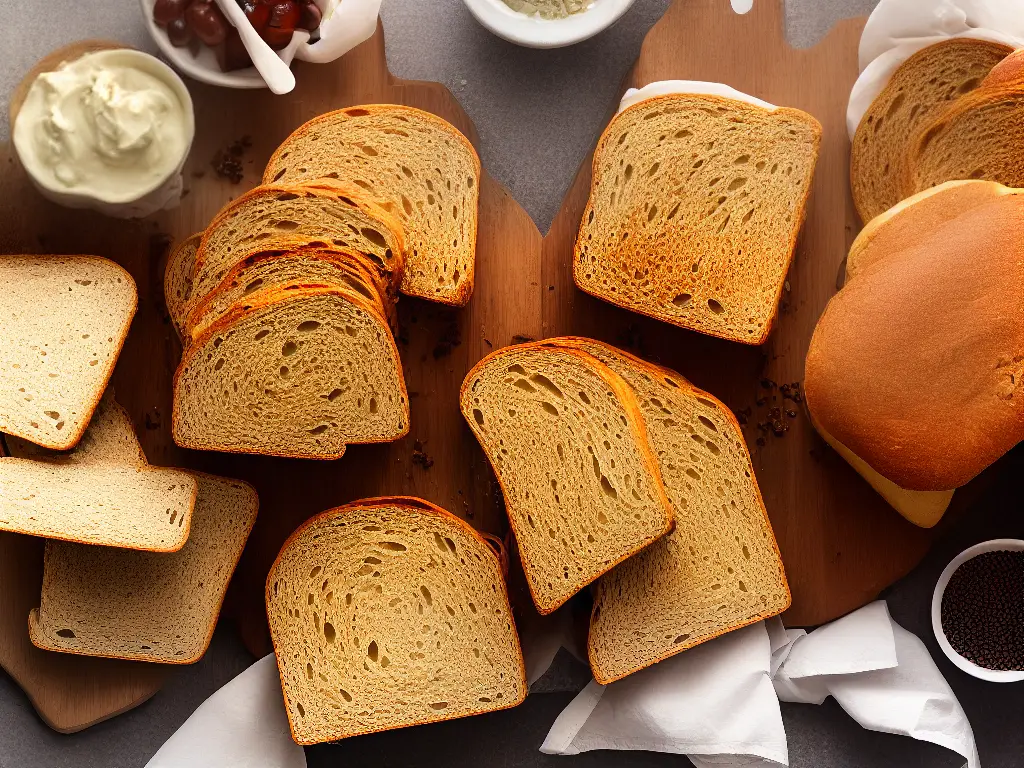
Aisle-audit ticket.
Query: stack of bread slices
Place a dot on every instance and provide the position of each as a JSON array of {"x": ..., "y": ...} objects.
[
  {"x": 285, "y": 304},
  {"x": 621, "y": 474},
  {"x": 137, "y": 557}
]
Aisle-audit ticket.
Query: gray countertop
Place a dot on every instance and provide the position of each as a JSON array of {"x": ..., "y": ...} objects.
[{"x": 538, "y": 113}]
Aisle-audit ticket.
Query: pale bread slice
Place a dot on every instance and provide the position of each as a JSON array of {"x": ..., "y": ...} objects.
[
  {"x": 387, "y": 613},
  {"x": 694, "y": 211},
  {"x": 101, "y": 493},
  {"x": 567, "y": 442},
  {"x": 719, "y": 568},
  {"x": 64, "y": 320},
  {"x": 145, "y": 606},
  {"x": 417, "y": 165},
  {"x": 178, "y": 280},
  {"x": 922, "y": 87},
  {"x": 301, "y": 374}
]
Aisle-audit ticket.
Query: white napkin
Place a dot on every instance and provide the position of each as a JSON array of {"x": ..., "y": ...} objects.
[
  {"x": 243, "y": 725},
  {"x": 716, "y": 703},
  {"x": 346, "y": 24}
]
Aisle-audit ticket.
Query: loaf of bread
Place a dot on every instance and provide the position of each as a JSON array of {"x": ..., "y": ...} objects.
[
  {"x": 387, "y": 613},
  {"x": 566, "y": 439},
  {"x": 719, "y": 568},
  {"x": 178, "y": 281},
  {"x": 301, "y": 373},
  {"x": 921, "y": 88},
  {"x": 694, "y": 211},
  {"x": 420, "y": 167},
  {"x": 64, "y": 321},
  {"x": 145, "y": 606},
  {"x": 945, "y": 269},
  {"x": 103, "y": 492}
]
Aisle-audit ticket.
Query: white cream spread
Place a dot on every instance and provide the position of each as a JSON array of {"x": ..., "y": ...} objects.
[
  {"x": 699, "y": 87},
  {"x": 113, "y": 126},
  {"x": 549, "y": 9}
]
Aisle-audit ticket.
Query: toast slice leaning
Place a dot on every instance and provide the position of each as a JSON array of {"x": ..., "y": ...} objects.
[
  {"x": 695, "y": 207},
  {"x": 387, "y": 613},
  {"x": 145, "y": 606},
  {"x": 300, "y": 374},
  {"x": 420, "y": 167},
  {"x": 103, "y": 492},
  {"x": 65, "y": 319},
  {"x": 178, "y": 281},
  {"x": 567, "y": 441},
  {"x": 719, "y": 568}
]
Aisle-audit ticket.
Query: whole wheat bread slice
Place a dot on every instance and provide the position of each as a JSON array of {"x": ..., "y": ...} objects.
[
  {"x": 719, "y": 569},
  {"x": 921, "y": 88},
  {"x": 103, "y": 492},
  {"x": 417, "y": 165},
  {"x": 63, "y": 320},
  {"x": 300, "y": 374},
  {"x": 387, "y": 613},
  {"x": 145, "y": 606},
  {"x": 695, "y": 206},
  {"x": 566, "y": 439},
  {"x": 178, "y": 280}
]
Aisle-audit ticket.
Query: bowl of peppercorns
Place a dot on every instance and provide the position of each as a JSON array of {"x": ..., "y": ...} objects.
[
  {"x": 199, "y": 40},
  {"x": 978, "y": 611}
]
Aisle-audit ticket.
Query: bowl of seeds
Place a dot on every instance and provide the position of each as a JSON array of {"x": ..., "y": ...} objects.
[{"x": 978, "y": 611}]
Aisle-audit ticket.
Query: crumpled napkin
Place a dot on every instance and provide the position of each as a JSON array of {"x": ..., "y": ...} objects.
[
  {"x": 346, "y": 24},
  {"x": 718, "y": 703},
  {"x": 243, "y": 725}
]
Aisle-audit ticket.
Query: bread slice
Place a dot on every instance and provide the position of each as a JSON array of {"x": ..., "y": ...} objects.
[
  {"x": 178, "y": 280},
  {"x": 300, "y": 374},
  {"x": 387, "y": 613},
  {"x": 65, "y": 319},
  {"x": 145, "y": 606},
  {"x": 922, "y": 87},
  {"x": 566, "y": 439},
  {"x": 719, "y": 568},
  {"x": 694, "y": 211},
  {"x": 325, "y": 214},
  {"x": 1009, "y": 71},
  {"x": 103, "y": 492},
  {"x": 418, "y": 166}
]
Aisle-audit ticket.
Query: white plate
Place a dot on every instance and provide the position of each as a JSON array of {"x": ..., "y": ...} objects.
[
  {"x": 546, "y": 33},
  {"x": 992, "y": 675}
]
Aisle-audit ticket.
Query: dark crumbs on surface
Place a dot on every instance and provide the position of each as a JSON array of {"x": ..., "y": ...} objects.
[{"x": 982, "y": 610}]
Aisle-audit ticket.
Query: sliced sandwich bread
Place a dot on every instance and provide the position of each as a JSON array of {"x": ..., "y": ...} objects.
[
  {"x": 417, "y": 165},
  {"x": 178, "y": 281},
  {"x": 146, "y": 606},
  {"x": 387, "y": 613},
  {"x": 695, "y": 206},
  {"x": 921, "y": 88},
  {"x": 567, "y": 441},
  {"x": 103, "y": 492},
  {"x": 65, "y": 319},
  {"x": 719, "y": 568},
  {"x": 300, "y": 374}
]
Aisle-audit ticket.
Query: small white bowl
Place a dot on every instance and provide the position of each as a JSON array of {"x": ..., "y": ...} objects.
[
  {"x": 533, "y": 32},
  {"x": 992, "y": 675}
]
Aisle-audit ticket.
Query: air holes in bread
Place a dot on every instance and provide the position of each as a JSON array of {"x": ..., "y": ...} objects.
[
  {"x": 715, "y": 307},
  {"x": 306, "y": 327},
  {"x": 67, "y": 633},
  {"x": 682, "y": 300}
]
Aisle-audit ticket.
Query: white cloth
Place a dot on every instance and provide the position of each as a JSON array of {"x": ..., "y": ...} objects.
[
  {"x": 717, "y": 704},
  {"x": 346, "y": 24},
  {"x": 243, "y": 725}
]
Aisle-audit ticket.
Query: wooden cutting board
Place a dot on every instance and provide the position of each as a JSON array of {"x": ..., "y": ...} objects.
[{"x": 840, "y": 543}]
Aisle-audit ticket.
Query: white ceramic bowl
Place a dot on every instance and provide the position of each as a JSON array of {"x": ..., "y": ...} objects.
[
  {"x": 992, "y": 675},
  {"x": 546, "y": 33}
]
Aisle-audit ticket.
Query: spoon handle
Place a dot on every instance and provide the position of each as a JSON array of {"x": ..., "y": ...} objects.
[{"x": 279, "y": 76}]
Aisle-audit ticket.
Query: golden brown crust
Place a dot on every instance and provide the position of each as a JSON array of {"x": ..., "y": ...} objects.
[
  {"x": 180, "y": 265},
  {"x": 1009, "y": 71}
]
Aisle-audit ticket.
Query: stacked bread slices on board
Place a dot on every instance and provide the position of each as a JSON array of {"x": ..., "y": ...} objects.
[
  {"x": 286, "y": 303},
  {"x": 621, "y": 474}
]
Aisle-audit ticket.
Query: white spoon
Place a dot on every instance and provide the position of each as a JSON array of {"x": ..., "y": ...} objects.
[{"x": 279, "y": 76}]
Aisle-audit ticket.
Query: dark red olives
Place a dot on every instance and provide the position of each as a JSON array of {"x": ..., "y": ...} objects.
[
  {"x": 207, "y": 22},
  {"x": 166, "y": 11}
]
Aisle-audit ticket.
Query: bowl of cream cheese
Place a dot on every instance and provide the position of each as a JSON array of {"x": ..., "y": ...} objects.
[
  {"x": 97, "y": 125},
  {"x": 547, "y": 23}
]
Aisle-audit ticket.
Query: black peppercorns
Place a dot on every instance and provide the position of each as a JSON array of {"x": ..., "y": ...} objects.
[{"x": 982, "y": 610}]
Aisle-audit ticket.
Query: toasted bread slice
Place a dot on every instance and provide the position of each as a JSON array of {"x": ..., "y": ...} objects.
[
  {"x": 178, "y": 281},
  {"x": 65, "y": 319},
  {"x": 145, "y": 606},
  {"x": 387, "y": 613},
  {"x": 301, "y": 373},
  {"x": 566, "y": 439},
  {"x": 414, "y": 163},
  {"x": 922, "y": 87},
  {"x": 694, "y": 211},
  {"x": 103, "y": 492}
]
